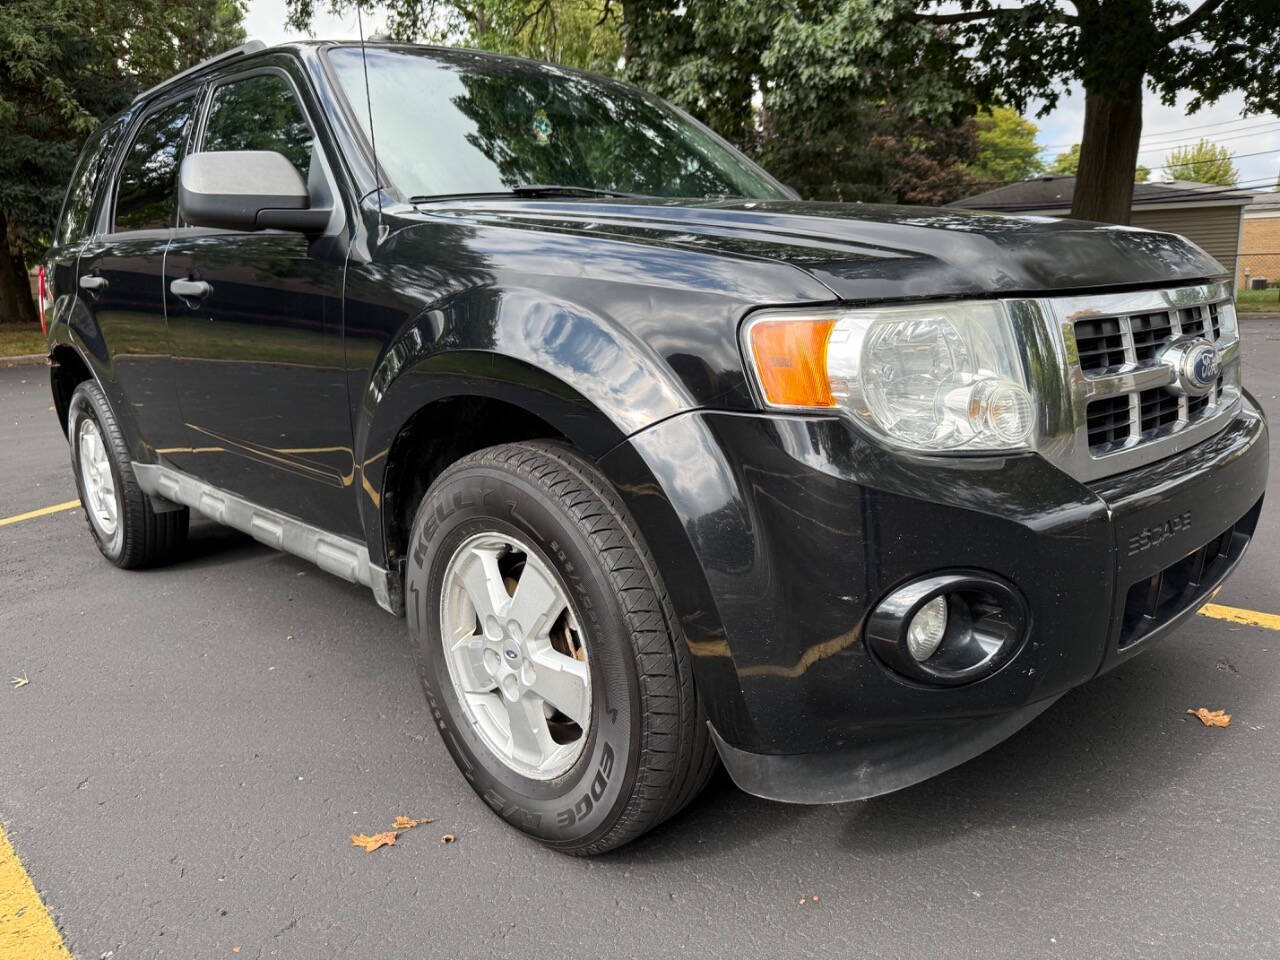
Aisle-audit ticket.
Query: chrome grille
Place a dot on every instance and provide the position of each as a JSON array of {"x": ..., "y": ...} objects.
[{"x": 1122, "y": 408}]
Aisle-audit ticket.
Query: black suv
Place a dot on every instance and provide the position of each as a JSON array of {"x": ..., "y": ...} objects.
[{"x": 660, "y": 463}]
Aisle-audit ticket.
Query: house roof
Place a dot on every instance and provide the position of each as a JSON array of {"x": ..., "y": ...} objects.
[
  {"x": 1265, "y": 201},
  {"x": 1053, "y": 192}
]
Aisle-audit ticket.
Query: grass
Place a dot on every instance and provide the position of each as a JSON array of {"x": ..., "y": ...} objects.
[
  {"x": 18, "y": 340},
  {"x": 1258, "y": 301}
]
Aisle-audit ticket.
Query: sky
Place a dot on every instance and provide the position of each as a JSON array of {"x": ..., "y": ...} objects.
[{"x": 1163, "y": 127}]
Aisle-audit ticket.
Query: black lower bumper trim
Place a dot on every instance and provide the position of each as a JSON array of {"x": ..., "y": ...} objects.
[{"x": 871, "y": 769}]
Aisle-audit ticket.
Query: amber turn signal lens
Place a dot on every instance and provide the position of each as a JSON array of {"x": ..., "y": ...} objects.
[{"x": 791, "y": 358}]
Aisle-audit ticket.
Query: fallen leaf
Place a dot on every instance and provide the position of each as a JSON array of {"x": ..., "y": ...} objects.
[
  {"x": 21, "y": 681},
  {"x": 408, "y": 823},
  {"x": 1211, "y": 718},
  {"x": 235, "y": 949},
  {"x": 372, "y": 843},
  {"x": 448, "y": 838}
]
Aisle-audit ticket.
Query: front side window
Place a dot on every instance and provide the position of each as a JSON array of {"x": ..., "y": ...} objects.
[
  {"x": 147, "y": 194},
  {"x": 465, "y": 124},
  {"x": 259, "y": 113},
  {"x": 74, "y": 224}
]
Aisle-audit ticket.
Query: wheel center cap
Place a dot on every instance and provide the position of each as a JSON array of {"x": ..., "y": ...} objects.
[{"x": 511, "y": 654}]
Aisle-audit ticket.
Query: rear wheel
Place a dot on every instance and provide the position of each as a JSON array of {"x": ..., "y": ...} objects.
[
  {"x": 125, "y": 526},
  {"x": 549, "y": 650}
]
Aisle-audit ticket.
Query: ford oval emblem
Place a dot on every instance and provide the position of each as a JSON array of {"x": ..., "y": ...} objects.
[{"x": 1201, "y": 366}]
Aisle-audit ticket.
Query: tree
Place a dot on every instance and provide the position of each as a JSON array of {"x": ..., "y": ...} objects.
[
  {"x": 840, "y": 98},
  {"x": 843, "y": 99},
  {"x": 1007, "y": 150},
  {"x": 65, "y": 66},
  {"x": 1204, "y": 163},
  {"x": 1114, "y": 49},
  {"x": 576, "y": 33},
  {"x": 1068, "y": 162}
]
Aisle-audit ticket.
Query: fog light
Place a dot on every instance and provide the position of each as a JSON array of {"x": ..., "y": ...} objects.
[
  {"x": 948, "y": 628},
  {"x": 927, "y": 629}
]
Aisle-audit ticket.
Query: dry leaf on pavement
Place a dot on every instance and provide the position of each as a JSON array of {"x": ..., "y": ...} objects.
[
  {"x": 21, "y": 681},
  {"x": 372, "y": 843},
  {"x": 1211, "y": 718},
  {"x": 408, "y": 823},
  {"x": 448, "y": 838}
]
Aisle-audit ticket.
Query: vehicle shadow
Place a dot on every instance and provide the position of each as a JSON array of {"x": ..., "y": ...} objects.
[
  {"x": 209, "y": 543},
  {"x": 1100, "y": 751}
]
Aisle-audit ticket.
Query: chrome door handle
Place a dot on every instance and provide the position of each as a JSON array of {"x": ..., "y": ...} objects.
[
  {"x": 90, "y": 282},
  {"x": 198, "y": 289}
]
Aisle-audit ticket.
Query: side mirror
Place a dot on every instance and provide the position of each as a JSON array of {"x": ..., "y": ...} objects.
[{"x": 246, "y": 190}]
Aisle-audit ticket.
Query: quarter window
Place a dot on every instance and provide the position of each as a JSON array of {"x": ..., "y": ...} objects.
[
  {"x": 74, "y": 225},
  {"x": 259, "y": 113},
  {"x": 147, "y": 196}
]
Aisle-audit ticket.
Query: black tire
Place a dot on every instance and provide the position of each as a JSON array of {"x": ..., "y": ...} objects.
[
  {"x": 648, "y": 751},
  {"x": 142, "y": 537}
]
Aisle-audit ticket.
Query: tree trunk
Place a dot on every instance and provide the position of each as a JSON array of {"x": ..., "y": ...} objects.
[
  {"x": 16, "y": 305},
  {"x": 1109, "y": 153}
]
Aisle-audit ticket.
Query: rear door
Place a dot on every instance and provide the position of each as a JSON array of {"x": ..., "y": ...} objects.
[
  {"x": 121, "y": 273},
  {"x": 75, "y": 225},
  {"x": 258, "y": 347}
]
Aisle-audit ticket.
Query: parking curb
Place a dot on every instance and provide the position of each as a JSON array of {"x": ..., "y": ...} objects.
[{"x": 24, "y": 360}]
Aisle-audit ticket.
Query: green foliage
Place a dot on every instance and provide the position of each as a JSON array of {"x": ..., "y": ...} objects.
[
  {"x": 1067, "y": 162},
  {"x": 576, "y": 33},
  {"x": 1204, "y": 163},
  {"x": 1007, "y": 150},
  {"x": 65, "y": 66},
  {"x": 1034, "y": 49},
  {"x": 842, "y": 99},
  {"x": 1141, "y": 174}
]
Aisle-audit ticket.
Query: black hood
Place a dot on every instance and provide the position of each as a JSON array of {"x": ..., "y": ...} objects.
[{"x": 875, "y": 252}]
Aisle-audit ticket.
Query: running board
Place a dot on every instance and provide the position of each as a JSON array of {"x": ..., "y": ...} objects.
[{"x": 341, "y": 556}]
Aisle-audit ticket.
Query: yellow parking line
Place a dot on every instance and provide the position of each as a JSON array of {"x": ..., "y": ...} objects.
[
  {"x": 26, "y": 929},
  {"x": 1250, "y": 618},
  {"x": 42, "y": 512}
]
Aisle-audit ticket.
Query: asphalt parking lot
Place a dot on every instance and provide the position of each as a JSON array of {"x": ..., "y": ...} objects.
[{"x": 195, "y": 746}]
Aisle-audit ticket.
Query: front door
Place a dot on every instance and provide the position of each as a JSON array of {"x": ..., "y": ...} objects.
[{"x": 255, "y": 327}]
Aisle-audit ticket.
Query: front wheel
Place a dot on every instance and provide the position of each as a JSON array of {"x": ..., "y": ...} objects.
[{"x": 549, "y": 650}]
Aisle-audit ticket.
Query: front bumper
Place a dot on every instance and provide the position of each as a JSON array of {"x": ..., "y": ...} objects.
[{"x": 777, "y": 535}]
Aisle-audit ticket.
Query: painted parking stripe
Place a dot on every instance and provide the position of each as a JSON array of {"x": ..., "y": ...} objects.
[
  {"x": 1250, "y": 618},
  {"x": 27, "y": 931},
  {"x": 42, "y": 512}
]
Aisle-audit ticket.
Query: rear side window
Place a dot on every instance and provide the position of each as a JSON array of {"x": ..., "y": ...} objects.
[
  {"x": 259, "y": 113},
  {"x": 78, "y": 207},
  {"x": 147, "y": 194}
]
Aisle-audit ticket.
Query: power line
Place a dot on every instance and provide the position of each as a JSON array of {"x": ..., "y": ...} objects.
[
  {"x": 1162, "y": 134},
  {"x": 1220, "y": 140},
  {"x": 1169, "y": 166}
]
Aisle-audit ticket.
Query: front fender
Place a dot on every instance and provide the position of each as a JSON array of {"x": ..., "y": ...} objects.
[{"x": 521, "y": 349}]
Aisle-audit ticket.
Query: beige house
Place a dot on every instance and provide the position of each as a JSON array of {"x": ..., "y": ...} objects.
[
  {"x": 1260, "y": 242},
  {"x": 1207, "y": 215}
]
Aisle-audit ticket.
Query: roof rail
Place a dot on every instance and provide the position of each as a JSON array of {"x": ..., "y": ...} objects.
[{"x": 253, "y": 46}]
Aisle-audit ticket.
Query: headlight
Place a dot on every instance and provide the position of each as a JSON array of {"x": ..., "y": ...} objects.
[{"x": 930, "y": 377}]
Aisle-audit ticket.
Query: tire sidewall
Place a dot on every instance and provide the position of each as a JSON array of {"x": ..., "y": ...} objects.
[
  {"x": 85, "y": 406},
  {"x": 586, "y": 800}
]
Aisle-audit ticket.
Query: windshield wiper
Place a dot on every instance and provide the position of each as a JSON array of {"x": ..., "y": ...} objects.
[
  {"x": 532, "y": 190},
  {"x": 556, "y": 190}
]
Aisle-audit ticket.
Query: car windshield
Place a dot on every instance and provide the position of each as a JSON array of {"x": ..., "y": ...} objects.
[{"x": 457, "y": 123}]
